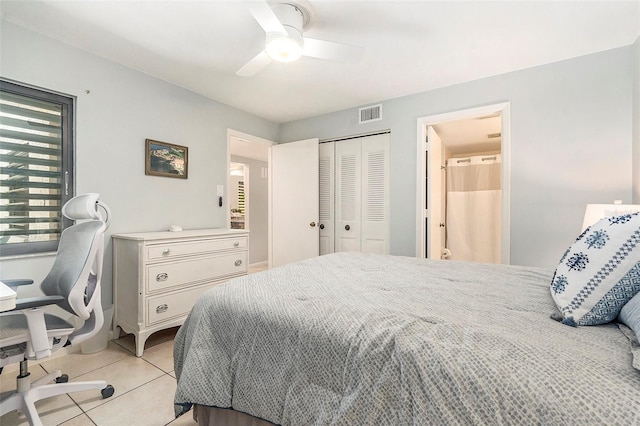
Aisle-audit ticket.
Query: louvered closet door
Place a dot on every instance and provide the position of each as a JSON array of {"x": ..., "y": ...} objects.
[
  {"x": 362, "y": 194},
  {"x": 348, "y": 198},
  {"x": 375, "y": 194},
  {"x": 327, "y": 204}
]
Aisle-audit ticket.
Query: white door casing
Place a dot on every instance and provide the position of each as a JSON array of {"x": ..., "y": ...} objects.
[
  {"x": 294, "y": 201},
  {"x": 435, "y": 195},
  {"x": 504, "y": 109}
]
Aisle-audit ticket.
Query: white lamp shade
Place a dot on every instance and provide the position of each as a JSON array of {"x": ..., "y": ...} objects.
[{"x": 595, "y": 212}]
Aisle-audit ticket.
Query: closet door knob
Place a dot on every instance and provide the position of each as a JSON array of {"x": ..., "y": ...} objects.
[
  {"x": 322, "y": 226},
  {"x": 347, "y": 227},
  {"x": 312, "y": 224}
]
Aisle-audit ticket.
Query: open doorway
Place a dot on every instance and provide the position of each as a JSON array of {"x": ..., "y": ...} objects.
[
  {"x": 239, "y": 187},
  {"x": 470, "y": 216},
  {"x": 248, "y": 192}
]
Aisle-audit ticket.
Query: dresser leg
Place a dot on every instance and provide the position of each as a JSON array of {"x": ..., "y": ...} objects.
[{"x": 140, "y": 341}]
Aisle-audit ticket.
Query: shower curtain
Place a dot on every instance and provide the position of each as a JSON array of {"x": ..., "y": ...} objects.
[{"x": 473, "y": 208}]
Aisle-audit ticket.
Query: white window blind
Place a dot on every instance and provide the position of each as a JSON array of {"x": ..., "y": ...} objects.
[{"x": 35, "y": 135}]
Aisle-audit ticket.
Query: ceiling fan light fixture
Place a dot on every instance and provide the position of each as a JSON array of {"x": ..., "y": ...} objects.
[
  {"x": 283, "y": 48},
  {"x": 283, "y": 22}
]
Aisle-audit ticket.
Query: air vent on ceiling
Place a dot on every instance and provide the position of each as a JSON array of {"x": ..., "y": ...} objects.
[{"x": 370, "y": 113}]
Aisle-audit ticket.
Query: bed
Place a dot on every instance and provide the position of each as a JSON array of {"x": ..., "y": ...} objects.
[{"x": 363, "y": 339}]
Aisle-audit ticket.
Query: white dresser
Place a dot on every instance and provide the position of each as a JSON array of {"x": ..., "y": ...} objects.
[{"x": 157, "y": 276}]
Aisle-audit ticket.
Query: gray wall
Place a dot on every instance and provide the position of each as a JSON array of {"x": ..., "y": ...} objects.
[
  {"x": 571, "y": 131},
  {"x": 122, "y": 108},
  {"x": 636, "y": 121},
  {"x": 258, "y": 210},
  {"x": 571, "y": 128}
]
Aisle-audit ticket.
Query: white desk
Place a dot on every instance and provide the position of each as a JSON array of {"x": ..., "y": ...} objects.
[{"x": 7, "y": 297}]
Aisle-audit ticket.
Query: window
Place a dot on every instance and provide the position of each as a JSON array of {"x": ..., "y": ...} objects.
[{"x": 36, "y": 167}]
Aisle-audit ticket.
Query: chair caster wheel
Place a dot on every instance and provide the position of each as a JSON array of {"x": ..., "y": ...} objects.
[
  {"x": 64, "y": 378},
  {"x": 107, "y": 392}
]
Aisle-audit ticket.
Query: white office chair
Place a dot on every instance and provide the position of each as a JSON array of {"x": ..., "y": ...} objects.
[{"x": 73, "y": 283}]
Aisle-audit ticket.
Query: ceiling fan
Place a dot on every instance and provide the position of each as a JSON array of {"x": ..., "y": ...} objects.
[{"x": 283, "y": 22}]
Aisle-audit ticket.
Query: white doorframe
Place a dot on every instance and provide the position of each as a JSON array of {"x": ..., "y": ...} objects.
[
  {"x": 504, "y": 109},
  {"x": 245, "y": 137}
]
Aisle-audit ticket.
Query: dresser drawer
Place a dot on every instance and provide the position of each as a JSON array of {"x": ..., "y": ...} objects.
[
  {"x": 166, "y": 275},
  {"x": 187, "y": 248},
  {"x": 169, "y": 306}
]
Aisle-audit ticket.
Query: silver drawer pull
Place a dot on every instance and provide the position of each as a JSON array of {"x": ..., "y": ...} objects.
[
  {"x": 238, "y": 262},
  {"x": 236, "y": 244},
  {"x": 162, "y": 276},
  {"x": 166, "y": 252},
  {"x": 160, "y": 309}
]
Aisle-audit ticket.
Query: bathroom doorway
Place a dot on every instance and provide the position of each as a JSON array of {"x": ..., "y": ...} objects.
[{"x": 459, "y": 218}]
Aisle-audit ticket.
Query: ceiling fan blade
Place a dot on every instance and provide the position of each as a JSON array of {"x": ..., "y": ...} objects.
[
  {"x": 268, "y": 20},
  {"x": 252, "y": 67},
  {"x": 333, "y": 51}
]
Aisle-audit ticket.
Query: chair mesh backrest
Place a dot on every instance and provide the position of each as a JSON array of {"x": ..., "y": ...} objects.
[{"x": 79, "y": 246}]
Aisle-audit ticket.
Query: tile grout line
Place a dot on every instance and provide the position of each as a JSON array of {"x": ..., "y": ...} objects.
[
  {"x": 128, "y": 353},
  {"x": 129, "y": 391}
]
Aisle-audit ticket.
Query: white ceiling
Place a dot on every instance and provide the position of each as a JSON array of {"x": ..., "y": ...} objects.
[
  {"x": 471, "y": 135},
  {"x": 410, "y": 46},
  {"x": 242, "y": 148}
]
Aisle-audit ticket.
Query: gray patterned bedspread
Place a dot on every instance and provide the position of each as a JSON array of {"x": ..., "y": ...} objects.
[{"x": 356, "y": 339}]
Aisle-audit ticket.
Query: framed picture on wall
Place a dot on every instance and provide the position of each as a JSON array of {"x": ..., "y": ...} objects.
[{"x": 166, "y": 159}]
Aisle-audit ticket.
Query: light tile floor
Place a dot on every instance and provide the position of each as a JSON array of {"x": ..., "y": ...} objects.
[{"x": 144, "y": 387}]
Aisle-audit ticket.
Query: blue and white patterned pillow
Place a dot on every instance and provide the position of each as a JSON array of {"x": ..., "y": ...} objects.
[{"x": 600, "y": 272}]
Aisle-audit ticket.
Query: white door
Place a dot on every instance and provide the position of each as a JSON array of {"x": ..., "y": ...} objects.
[
  {"x": 435, "y": 240},
  {"x": 327, "y": 203},
  {"x": 362, "y": 195},
  {"x": 375, "y": 194},
  {"x": 348, "y": 195},
  {"x": 294, "y": 201}
]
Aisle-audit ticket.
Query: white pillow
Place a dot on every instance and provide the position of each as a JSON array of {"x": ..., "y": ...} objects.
[
  {"x": 630, "y": 315},
  {"x": 600, "y": 272}
]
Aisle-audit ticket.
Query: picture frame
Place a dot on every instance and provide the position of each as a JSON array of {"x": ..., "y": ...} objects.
[{"x": 166, "y": 159}]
